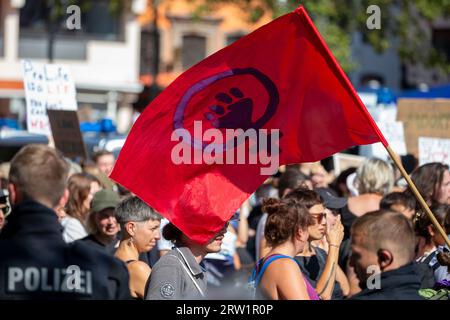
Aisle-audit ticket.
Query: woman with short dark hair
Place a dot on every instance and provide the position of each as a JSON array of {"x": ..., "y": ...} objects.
[{"x": 139, "y": 224}]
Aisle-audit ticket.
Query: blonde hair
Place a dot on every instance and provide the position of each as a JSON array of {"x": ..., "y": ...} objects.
[{"x": 375, "y": 176}]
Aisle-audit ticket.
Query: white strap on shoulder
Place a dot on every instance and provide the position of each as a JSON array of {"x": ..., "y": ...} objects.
[{"x": 192, "y": 278}]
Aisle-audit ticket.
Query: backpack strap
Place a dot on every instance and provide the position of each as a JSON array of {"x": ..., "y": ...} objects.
[
  {"x": 431, "y": 261},
  {"x": 430, "y": 257}
]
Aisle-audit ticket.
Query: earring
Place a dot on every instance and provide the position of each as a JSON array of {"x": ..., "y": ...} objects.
[{"x": 130, "y": 241}]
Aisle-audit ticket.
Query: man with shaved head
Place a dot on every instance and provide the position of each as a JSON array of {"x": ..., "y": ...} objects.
[{"x": 383, "y": 244}]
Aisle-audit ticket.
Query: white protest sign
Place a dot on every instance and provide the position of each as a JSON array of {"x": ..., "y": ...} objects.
[
  {"x": 47, "y": 86},
  {"x": 369, "y": 99},
  {"x": 343, "y": 161},
  {"x": 434, "y": 150},
  {"x": 395, "y": 136}
]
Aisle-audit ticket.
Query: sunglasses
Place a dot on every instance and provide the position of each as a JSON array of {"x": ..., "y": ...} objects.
[{"x": 319, "y": 217}]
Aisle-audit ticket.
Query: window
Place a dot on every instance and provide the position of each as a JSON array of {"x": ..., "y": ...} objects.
[
  {"x": 441, "y": 41},
  {"x": 100, "y": 20},
  {"x": 233, "y": 37},
  {"x": 193, "y": 50},
  {"x": 370, "y": 80},
  {"x": 147, "y": 52}
]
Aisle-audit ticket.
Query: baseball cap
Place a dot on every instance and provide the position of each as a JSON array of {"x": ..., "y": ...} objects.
[
  {"x": 331, "y": 201},
  {"x": 104, "y": 199}
]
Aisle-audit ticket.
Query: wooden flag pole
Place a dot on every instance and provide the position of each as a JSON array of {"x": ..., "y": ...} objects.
[{"x": 417, "y": 194}]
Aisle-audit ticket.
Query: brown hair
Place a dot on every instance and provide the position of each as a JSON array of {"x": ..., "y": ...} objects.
[
  {"x": 399, "y": 198},
  {"x": 422, "y": 221},
  {"x": 290, "y": 179},
  {"x": 428, "y": 180},
  {"x": 172, "y": 233},
  {"x": 286, "y": 216},
  {"x": 40, "y": 173},
  {"x": 308, "y": 198},
  {"x": 386, "y": 229},
  {"x": 101, "y": 153},
  {"x": 79, "y": 186},
  {"x": 444, "y": 259}
]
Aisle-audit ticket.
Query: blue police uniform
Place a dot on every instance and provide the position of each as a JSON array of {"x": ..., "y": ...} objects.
[{"x": 37, "y": 263}]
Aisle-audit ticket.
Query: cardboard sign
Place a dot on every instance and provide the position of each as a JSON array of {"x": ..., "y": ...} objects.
[
  {"x": 66, "y": 133},
  {"x": 47, "y": 87},
  {"x": 434, "y": 150},
  {"x": 424, "y": 118}
]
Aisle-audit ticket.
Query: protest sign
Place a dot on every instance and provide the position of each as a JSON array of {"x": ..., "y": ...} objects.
[
  {"x": 47, "y": 87},
  {"x": 343, "y": 161},
  {"x": 434, "y": 150},
  {"x": 369, "y": 99},
  {"x": 66, "y": 133},
  {"x": 394, "y": 133},
  {"x": 424, "y": 118}
]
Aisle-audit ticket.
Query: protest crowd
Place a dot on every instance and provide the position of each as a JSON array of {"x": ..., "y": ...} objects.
[
  {"x": 299, "y": 236},
  {"x": 288, "y": 222}
]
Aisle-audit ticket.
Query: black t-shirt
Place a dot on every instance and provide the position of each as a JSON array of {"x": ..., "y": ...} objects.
[
  {"x": 347, "y": 218},
  {"x": 91, "y": 240},
  {"x": 312, "y": 268}
]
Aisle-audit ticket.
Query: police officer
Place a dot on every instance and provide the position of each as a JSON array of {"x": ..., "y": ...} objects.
[
  {"x": 178, "y": 274},
  {"x": 36, "y": 262}
]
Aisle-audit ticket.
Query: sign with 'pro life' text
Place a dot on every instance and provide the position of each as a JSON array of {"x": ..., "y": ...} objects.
[{"x": 47, "y": 87}]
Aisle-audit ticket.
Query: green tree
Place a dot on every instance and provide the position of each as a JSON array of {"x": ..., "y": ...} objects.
[{"x": 405, "y": 21}]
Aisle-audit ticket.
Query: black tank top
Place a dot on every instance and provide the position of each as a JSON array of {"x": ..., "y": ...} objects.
[{"x": 146, "y": 283}]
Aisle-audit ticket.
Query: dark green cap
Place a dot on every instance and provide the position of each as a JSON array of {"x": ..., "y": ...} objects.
[{"x": 104, "y": 199}]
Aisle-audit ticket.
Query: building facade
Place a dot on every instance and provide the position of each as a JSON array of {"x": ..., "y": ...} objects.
[{"x": 103, "y": 55}]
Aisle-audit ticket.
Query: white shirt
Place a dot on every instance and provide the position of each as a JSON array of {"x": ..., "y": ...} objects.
[
  {"x": 164, "y": 244},
  {"x": 73, "y": 229}
]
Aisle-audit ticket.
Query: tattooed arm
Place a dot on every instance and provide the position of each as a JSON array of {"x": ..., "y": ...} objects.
[{"x": 327, "y": 279}]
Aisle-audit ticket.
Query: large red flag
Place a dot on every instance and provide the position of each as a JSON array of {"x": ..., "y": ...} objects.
[{"x": 279, "y": 81}]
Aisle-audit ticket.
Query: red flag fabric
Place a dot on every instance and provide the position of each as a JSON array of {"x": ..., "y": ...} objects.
[{"x": 280, "y": 81}]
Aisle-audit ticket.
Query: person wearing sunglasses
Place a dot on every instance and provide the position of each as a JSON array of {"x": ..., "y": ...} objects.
[{"x": 318, "y": 266}]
